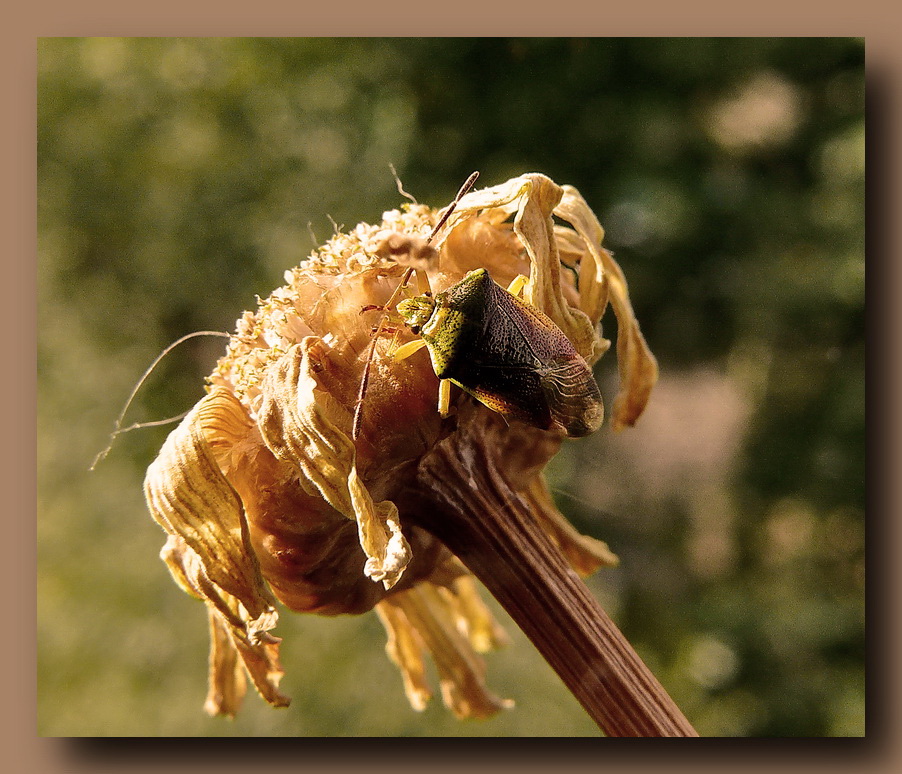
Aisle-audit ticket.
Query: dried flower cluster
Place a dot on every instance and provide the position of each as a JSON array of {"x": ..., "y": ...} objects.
[{"x": 265, "y": 496}]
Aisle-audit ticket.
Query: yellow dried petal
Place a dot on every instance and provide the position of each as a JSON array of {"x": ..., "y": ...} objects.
[
  {"x": 586, "y": 236},
  {"x": 584, "y": 553},
  {"x": 426, "y": 618},
  {"x": 208, "y": 551},
  {"x": 472, "y": 614},
  {"x": 261, "y": 660},
  {"x": 637, "y": 366},
  {"x": 405, "y": 649},
  {"x": 295, "y": 419},
  {"x": 190, "y": 497},
  {"x": 227, "y": 683},
  {"x": 230, "y": 637},
  {"x": 388, "y": 552}
]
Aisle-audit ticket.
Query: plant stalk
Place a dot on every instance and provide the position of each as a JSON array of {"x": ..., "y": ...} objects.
[{"x": 492, "y": 531}]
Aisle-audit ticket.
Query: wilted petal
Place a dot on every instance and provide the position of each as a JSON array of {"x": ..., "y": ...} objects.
[
  {"x": 208, "y": 551},
  {"x": 298, "y": 422},
  {"x": 405, "y": 648},
  {"x": 637, "y": 366},
  {"x": 474, "y": 618},
  {"x": 434, "y": 619},
  {"x": 230, "y": 657},
  {"x": 227, "y": 683},
  {"x": 232, "y": 649},
  {"x": 189, "y": 496},
  {"x": 584, "y": 553},
  {"x": 585, "y": 237}
]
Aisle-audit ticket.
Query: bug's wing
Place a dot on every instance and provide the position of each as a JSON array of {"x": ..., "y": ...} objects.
[
  {"x": 558, "y": 396},
  {"x": 573, "y": 397},
  {"x": 563, "y": 379},
  {"x": 514, "y": 359},
  {"x": 540, "y": 335},
  {"x": 512, "y": 391}
]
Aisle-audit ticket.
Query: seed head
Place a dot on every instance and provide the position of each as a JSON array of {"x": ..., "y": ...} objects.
[{"x": 266, "y": 496}]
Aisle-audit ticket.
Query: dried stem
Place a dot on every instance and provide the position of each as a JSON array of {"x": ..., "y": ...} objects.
[{"x": 491, "y": 529}]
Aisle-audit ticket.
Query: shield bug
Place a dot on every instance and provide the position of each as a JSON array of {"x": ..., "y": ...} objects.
[
  {"x": 505, "y": 353},
  {"x": 496, "y": 347}
]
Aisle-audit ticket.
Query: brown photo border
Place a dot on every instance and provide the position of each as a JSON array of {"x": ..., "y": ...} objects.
[{"x": 875, "y": 21}]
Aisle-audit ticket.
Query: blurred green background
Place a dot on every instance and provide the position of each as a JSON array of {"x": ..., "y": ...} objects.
[{"x": 179, "y": 178}]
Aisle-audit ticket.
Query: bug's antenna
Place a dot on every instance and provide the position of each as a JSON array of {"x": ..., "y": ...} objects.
[
  {"x": 365, "y": 379},
  {"x": 464, "y": 189},
  {"x": 118, "y": 429}
]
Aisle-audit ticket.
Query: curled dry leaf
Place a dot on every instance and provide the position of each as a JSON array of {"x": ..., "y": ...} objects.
[{"x": 265, "y": 495}]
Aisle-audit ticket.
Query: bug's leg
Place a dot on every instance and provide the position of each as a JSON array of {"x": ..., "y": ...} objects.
[
  {"x": 444, "y": 397},
  {"x": 406, "y": 350},
  {"x": 394, "y": 340},
  {"x": 365, "y": 378},
  {"x": 517, "y": 284}
]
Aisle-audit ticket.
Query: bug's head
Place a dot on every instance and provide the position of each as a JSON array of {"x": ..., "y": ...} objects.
[{"x": 416, "y": 311}]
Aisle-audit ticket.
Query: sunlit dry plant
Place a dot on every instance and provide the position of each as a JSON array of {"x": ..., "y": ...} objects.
[{"x": 266, "y": 494}]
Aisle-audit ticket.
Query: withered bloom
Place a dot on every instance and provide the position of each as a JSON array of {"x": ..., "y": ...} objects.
[{"x": 265, "y": 496}]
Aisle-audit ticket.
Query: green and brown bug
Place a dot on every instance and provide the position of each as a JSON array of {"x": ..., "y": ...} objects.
[
  {"x": 496, "y": 347},
  {"x": 505, "y": 353}
]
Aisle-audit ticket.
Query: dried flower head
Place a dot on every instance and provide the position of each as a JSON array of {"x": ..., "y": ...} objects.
[{"x": 266, "y": 495}]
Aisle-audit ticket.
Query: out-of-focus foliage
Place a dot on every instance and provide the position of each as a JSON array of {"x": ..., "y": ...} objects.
[{"x": 178, "y": 178}]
